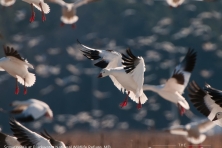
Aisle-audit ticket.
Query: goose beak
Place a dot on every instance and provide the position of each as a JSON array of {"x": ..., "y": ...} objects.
[
  {"x": 215, "y": 118},
  {"x": 100, "y": 75}
]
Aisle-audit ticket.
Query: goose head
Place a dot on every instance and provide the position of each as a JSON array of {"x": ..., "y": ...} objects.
[
  {"x": 217, "y": 116},
  {"x": 104, "y": 73}
]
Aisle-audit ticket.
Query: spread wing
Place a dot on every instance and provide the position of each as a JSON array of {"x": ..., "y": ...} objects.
[
  {"x": 102, "y": 58},
  {"x": 135, "y": 66},
  {"x": 26, "y": 137},
  {"x": 182, "y": 72}
]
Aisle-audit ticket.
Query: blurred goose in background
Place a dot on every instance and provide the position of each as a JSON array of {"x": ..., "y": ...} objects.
[
  {"x": 207, "y": 101},
  {"x": 109, "y": 60},
  {"x": 6, "y": 140},
  {"x": 29, "y": 138},
  {"x": 130, "y": 76},
  {"x": 7, "y": 3},
  {"x": 31, "y": 110},
  {"x": 175, "y": 3},
  {"x": 193, "y": 132},
  {"x": 41, "y": 6},
  {"x": 173, "y": 89},
  {"x": 69, "y": 11},
  {"x": 17, "y": 67}
]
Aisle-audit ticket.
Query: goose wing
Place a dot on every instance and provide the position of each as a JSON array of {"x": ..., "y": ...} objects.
[
  {"x": 135, "y": 66},
  {"x": 26, "y": 137},
  {"x": 102, "y": 58},
  {"x": 182, "y": 72}
]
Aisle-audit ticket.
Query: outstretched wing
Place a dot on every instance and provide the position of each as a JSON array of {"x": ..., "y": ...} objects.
[
  {"x": 102, "y": 58},
  {"x": 215, "y": 94},
  {"x": 182, "y": 72},
  {"x": 135, "y": 66},
  {"x": 79, "y": 3},
  {"x": 26, "y": 137}
]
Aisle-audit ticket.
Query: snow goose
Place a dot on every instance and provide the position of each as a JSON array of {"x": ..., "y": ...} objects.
[
  {"x": 29, "y": 138},
  {"x": 193, "y": 132},
  {"x": 208, "y": 101},
  {"x": 7, "y": 3},
  {"x": 6, "y": 140},
  {"x": 41, "y": 6},
  {"x": 174, "y": 87},
  {"x": 31, "y": 110},
  {"x": 17, "y": 67},
  {"x": 69, "y": 11},
  {"x": 131, "y": 77},
  {"x": 175, "y": 3}
]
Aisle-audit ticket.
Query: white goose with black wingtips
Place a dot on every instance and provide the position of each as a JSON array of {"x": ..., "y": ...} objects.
[
  {"x": 17, "y": 67},
  {"x": 131, "y": 77},
  {"x": 173, "y": 89},
  {"x": 207, "y": 101},
  {"x": 69, "y": 10},
  {"x": 31, "y": 110},
  {"x": 29, "y": 138},
  {"x": 111, "y": 60}
]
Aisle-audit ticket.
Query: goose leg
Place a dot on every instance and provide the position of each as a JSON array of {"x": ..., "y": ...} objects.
[
  {"x": 139, "y": 105},
  {"x": 124, "y": 103},
  {"x": 43, "y": 14},
  {"x": 199, "y": 146},
  {"x": 190, "y": 145},
  {"x": 181, "y": 109},
  {"x": 32, "y": 18},
  {"x": 16, "y": 87},
  {"x": 25, "y": 89},
  {"x": 62, "y": 24},
  {"x": 74, "y": 26}
]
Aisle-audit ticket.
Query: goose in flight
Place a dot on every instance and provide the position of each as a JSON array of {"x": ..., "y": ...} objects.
[
  {"x": 132, "y": 70},
  {"x": 30, "y": 110},
  {"x": 193, "y": 132},
  {"x": 29, "y": 138},
  {"x": 7, "y": 3},
  {"x": 130, "y": 76},
  {"x": 207, "y": 101},
  {"x": 17, "y": 67},
  {"x": 69, "y": 11},
  {"x": 173, "y": 89},
  {"x": 41, "y": 6}
]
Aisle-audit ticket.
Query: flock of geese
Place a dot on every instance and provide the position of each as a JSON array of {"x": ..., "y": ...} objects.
[{"x": 126, "y": 71}]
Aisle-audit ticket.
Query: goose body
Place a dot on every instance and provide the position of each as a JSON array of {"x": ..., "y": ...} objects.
[
  {"x": 17, "y": 67},
  {"x": 175, "y": 3},
  {"x": 193, "y": 132},
  {"x": 69, "y": 10},
  {"x": 207, "y": 101},
  {"x": 7, "y": 3},
  {"x": 173, "y": 89},
  {"x": 41, "y": 6},
  {"x": 128, "y": 77},
  {"x": 31, "y": 110}
]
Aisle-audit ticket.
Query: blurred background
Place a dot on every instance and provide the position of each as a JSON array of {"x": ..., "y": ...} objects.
[{"x": 67, "y": 81}]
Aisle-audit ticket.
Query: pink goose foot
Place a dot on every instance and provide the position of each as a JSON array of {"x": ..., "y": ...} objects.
[
  {"x": 32, "y": 18},
  {"x": 139, "y": 105},
  {"x": 43, "y": 14},
  {"x": 124, "y": 103},
  {"x": 62, "y": 24},
  {"x": 181, "y": 109}
]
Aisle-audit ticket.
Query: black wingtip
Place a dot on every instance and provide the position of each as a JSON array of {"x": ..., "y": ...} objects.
[{"x": 190, "y": 60}]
